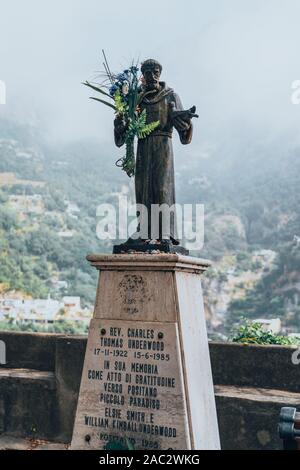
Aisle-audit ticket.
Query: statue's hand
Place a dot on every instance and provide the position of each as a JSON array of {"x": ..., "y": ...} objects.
[
  {"x": 121, "y": 125},
  {"x": 185, "y": 115},
  {"x": 183, "y": 119}
]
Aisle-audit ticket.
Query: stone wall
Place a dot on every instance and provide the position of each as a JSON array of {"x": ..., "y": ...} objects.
[{"x": 39, "y": 388}]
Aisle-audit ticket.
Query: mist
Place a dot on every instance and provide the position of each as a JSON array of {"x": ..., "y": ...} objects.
[{"x": 235, "y": 60}]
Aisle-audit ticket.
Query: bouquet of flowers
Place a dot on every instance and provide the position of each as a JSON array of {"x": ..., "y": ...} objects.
[{"x": 125, "y": 92}]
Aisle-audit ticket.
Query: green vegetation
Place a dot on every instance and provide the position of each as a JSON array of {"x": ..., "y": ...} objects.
[
  {"x": 251, "y": 203},
  {"x": 60, "y": 326},
  {"x": 274, "y": 295},
  {"x": 33, "y": 254},
  {"x": 254, "y": 333},
  {"x": 122, "y": 444}
]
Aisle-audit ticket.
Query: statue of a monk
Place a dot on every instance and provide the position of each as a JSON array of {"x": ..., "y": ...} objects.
[{"x": 154, "y": 174}]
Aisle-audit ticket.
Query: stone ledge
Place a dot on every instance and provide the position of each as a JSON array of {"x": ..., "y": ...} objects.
[
  {"x": 248, "y": 417},
  {"x": 46, "y": 379},
  {"x": 258, "y": 394},
  {"x": 255, "y": 366},
  {"x": 28, "y": 403},
  {"x": 145, "y": 262},
  {"x": 30, "y": 350},
  {"x": 252, "y": 383},
  {"x": 8, "y": 442}
]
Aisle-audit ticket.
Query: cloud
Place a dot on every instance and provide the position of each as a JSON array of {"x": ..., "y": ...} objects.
[{"x": 235, "y": 60}]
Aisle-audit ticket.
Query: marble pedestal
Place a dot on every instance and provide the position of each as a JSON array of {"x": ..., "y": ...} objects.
[{"x": 147, "y": 375}]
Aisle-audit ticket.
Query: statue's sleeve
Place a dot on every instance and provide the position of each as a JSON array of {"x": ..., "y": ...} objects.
[{"x": 187, "y": 134}]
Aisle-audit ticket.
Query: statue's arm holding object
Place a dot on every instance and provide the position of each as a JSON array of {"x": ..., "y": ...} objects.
[{"x": 182, "y": 120}]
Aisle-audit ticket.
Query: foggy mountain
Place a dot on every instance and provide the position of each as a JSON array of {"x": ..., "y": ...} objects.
[
  {"x": 236, "y": 61},
  {"x": 251, "y": 220}
]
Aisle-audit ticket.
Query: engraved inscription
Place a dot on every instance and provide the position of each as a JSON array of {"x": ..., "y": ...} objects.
[
  {"x": 134, "y": 293},
  {"x": 132, "y": 387}
]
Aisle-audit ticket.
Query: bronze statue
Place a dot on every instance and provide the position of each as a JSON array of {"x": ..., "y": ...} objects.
[{"x": 154, "y": 173}]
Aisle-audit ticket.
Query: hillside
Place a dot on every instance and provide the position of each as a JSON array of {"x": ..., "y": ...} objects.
[
  {"x": 252, "y": 230},
  {"x": 49, "y": 196},
  {"x": 48, "y": 215}
]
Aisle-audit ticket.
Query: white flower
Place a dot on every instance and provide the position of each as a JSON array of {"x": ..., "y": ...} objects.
[{"x": 125, "y": 88}]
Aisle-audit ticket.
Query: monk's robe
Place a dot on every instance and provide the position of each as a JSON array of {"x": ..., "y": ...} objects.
[{"x": 154, "y": 173}]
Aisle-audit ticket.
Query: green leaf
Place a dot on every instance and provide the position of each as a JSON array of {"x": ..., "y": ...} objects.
[
  {"x": 104, "y": 102},
  {"x": 254, "y": 333},
  {"x": 130, "y": 446},
  {"x": 115, "y": 445},
  {"x": 121, "y": 108},
  {"x": 119, "y": 445},
  {"x": 97, "y": 89},
  {"x": 147, "y": 129}
]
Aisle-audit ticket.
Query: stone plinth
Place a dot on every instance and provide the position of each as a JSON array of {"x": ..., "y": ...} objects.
[{"x": 147, "y": 376}]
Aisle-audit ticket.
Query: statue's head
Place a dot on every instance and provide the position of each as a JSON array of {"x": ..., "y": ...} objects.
[{"x": 151, "y": 70}]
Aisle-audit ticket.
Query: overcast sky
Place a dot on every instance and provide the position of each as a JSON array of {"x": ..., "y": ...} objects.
[{"x": 234, "y": 59}]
